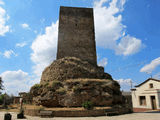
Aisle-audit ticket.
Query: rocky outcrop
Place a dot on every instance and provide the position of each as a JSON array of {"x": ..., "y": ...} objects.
[
  {"x": 74, "y": 92},
  {"x": 72, "y": 68},
  {"x": 70, "y": 82}
]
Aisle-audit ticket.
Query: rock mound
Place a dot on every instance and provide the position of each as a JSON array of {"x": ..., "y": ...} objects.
[
  {"x": 74, "y": 92},
  {"x": 70, "y": 82},
  {"x": 72, "y": 68}
]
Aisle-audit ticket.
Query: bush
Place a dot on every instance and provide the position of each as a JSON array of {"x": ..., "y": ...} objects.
[
  {"x": 8, "y": 99},
  {"x": 36, "y": 86},
  {"x": 88, "y": 105},
  {"x": 1, "y": 99},
  {"x": 56, "y": 84}
]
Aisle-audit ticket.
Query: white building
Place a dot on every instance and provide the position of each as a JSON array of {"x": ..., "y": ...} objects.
[{"x": 146, "y": 96}]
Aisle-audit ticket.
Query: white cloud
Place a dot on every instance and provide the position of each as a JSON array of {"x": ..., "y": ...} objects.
[
  {"x": 8, "y": 53},
  {"x": 44, "y": 48},
  {"x": 3, "y": 18},
  {"x": 109, "y": 28},
  {"x": 126, "y": 84},
  {"x": 151, "y": 66},
  {"x": 15, "y": 81},
  {"x": 35, "y": 31},
  {"x": 1, "y": 2},
  {"x": 128, "y": 45},
  {"x": 124, "y": 81},
  {"x": 21, "y": 44},
  {"x": 25, "y": 26},
  {"x": 103, "y": 62}
]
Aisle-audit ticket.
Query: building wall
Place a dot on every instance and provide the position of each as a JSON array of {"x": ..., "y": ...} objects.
[
  {"x": 145, "y": 90},
  {"x": 76, "y": 36},
  {"x": 16, "y": 100},
  {"x": 158, "y": 98}
]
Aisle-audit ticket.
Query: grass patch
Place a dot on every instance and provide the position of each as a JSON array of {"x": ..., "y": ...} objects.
[
  {"x": 56, "y": 84},
  {"x": 61, "y": 91},
  {"x": 87, "y": 105}
]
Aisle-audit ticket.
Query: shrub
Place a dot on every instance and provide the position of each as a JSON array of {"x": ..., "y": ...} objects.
[
  {"x": 56, "y": 84},
  {"x": 36, "y": 86},
  {"x": 88, "y": 105},
  {"x": 8, "y": 99},
  {"x": 1, "y": 99}
]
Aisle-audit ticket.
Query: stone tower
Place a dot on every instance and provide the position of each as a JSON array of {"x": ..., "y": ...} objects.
[
  {"x": 75, "y": 77},
  {"x": 76, "y": 37}
]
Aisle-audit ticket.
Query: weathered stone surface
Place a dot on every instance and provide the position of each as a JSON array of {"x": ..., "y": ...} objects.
[
  {"x": 76, "y": 36},
  {"x": 71, "y": 68},
  {"x": 74, "y": 92},
  {"x": 70, "y": 82}
]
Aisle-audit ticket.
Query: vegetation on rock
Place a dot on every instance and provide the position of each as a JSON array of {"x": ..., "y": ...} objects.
[
  {"x": 61, "y": 91},
  {"x": 36, "y": 86},
  {"x": 70, "y": 81},
  {"x": 88, "y": 105},
  {"x": 56, "y": 84},
  {"x": 72, "y": 68}
]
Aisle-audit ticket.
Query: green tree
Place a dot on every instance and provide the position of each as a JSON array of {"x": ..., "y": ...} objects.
[
  {"x": 1, "y": 99},
  {"x": 1, "y": 84}
]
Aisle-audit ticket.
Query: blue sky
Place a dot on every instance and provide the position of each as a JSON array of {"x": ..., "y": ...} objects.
[{"x": 127, "y": 39}]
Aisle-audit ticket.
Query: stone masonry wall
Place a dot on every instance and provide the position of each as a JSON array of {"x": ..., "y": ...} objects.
[{"x": 76, "y": 37}]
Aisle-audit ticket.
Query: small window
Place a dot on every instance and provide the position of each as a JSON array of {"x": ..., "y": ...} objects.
[
  {"x": 142, "y": 100},
  {"x": 150, "y": 85}
]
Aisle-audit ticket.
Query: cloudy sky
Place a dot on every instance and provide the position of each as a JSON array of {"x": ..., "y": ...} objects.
[{"x": 127, "y": 39}]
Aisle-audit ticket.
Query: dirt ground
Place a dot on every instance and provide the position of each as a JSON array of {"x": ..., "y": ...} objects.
[{"x": 134, "y": 116}]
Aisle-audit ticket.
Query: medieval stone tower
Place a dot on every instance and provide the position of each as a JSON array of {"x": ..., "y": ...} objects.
[
  {"x": 74, "y": 77},
  {"x": 76, "y": 36}
]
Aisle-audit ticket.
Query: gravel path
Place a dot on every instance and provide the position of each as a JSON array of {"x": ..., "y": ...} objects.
[{"x": 133, "y": 116}]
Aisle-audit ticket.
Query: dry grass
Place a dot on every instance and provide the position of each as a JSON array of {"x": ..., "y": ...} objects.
[
  {"x": 16, "y": 108},
  {"x": 11, "y": 108},
  {"x": 87, "y": 80},
  {"x": 76, "y": 109},
  {"x": 62, "y": 108}
]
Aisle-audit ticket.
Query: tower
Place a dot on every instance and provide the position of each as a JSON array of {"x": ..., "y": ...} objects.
[{"x": 76, "y": 37}]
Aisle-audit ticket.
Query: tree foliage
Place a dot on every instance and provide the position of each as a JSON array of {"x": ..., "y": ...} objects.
[
  {"x": 1, "y": 84},
  {"x": 8, "y": 99}
]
